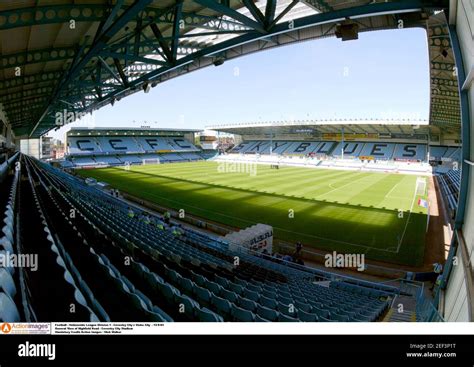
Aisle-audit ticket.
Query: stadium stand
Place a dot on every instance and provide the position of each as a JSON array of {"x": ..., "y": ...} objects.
[
  {"x": 114, "y": 148},
  {"x": 121, "y": 144},
  {"x": 8, "y": 290},
  {"x": 415, "y": 152},
  {"x": 118, "y": 144},
  {"x": 375, "y": 150},
  {"x": 108, "y": 160},
  {"x": 379, "y": 151},
  {"x": 83, "y": 145},
  {"x": 450, "y": 183},
  {"x": 132, "y": 159},
  {"x": 437, "y": 152},
  {"x": 453, "y": 153},
  {"x": 351, "y": 150},
  {"x": 182, "y": 278}
]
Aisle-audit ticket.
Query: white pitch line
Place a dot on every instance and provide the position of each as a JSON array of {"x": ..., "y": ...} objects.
[
  {"x": 333, "y": 240},
  {"x": 408, "y": 220},
  {"x": 388, "y": 194},
  {"x": 350, "y": 183}
]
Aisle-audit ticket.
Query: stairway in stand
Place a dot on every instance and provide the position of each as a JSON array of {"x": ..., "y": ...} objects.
[{"x": 409, "y": 310}]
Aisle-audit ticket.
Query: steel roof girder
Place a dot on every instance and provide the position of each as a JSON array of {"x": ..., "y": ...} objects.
[
  {"x": 130, "y": 57},
  {"x": 228, "y": 11},
  {"x": 129, "y": 14},
  {"x": 176, "y": 27}
]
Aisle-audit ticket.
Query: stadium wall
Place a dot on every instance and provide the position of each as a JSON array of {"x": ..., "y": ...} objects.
[{"x": 459, "y": 295}]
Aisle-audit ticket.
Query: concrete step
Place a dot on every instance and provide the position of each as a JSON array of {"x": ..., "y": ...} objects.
[{"x": 408, "y": 313}]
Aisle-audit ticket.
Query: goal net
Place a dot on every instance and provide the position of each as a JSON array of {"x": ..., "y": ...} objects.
[
  {"x": 421, "y": 186},
  {"x": 147, "y": 161}
]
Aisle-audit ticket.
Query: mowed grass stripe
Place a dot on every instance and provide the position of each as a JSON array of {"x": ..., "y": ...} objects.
[{"x": 359, "y": 213}]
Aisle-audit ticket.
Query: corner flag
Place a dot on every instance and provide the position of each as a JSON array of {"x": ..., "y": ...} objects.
[{"x": 422, "y": 203}]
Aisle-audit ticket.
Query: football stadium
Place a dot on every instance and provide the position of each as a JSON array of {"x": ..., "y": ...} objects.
[{"x": 291, "y": 220}]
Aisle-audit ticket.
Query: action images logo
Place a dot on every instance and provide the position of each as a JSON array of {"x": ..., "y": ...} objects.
[{"x": 5, "y": 328}]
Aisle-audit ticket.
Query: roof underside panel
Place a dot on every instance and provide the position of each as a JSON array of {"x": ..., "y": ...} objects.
[
  {"x": 78, "y": 56},
  {"x": 444, "y": 106},
  {"x": 314, "y": 128}
]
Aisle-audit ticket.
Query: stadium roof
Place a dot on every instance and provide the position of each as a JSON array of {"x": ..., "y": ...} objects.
[
  {"x": 77, "y": 56},
  {"x": 92, "y": 130},
  {"x": 312, "y": 127}
]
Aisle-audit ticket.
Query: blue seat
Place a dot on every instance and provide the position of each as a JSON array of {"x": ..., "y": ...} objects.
[
  {"x": 7, "y": 284},
  {"x": 221, "y": 305},
  {"x": 362, "y": 318},
  {"x": 187, "y": 285},
  {"x": 254, "y": 296},
  {"x": 285, "y": 300},
  {"x": 254, "y": 288},
  {"x": 8, "y": 309},
  {"x": 259, "y": 318},
  {"x": 269, "y": 294},
  {"x": 269, "y": 287},
  {"x": 206, "y": 315},
  {"x": 302, "y": 306},
  {"x": 320, "y": 312},
  {"x": 268, "y": 302},
  {"x": 186, "y": 306},
  {"x": 213, "y": 287},
  {"x": 229, "y": 295},
  {"x": 324, "y": 319},
  {"x": 247, "y": 304},
  {"x": 307, "y": 317},
  {"x": 222, "y": 281},
  {"x": 198, "y": 279},
  {"x": 316, "y": 304},
  {"x": 241, "y": 282},
  {"x": 203, "y": 295},
  {"x": 242, "y": 315},
  {"x": 285, "y": 318},
  {"x": 236, "y": 288},
  {"x": 349, "y": 314},
  {"x": 338, "y": 317},
  {"x": 300, "y": 299},
  {"x": 173, "y": 276},
  {"x": 267, "y": 313},
  {"x": 168, "y": 291},
  {"x": 289, "y": 310}
]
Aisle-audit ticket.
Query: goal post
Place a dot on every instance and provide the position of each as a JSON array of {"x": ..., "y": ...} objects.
[
  {"x": 148, "y": 161},
  {"x": 421, "y": 186}
]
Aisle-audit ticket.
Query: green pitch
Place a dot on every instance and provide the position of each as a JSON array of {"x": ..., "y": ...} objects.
[{"x": 347, "y": 211}]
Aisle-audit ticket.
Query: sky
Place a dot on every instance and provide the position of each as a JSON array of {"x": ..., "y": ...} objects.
[{"x": 383, "y": 74}]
